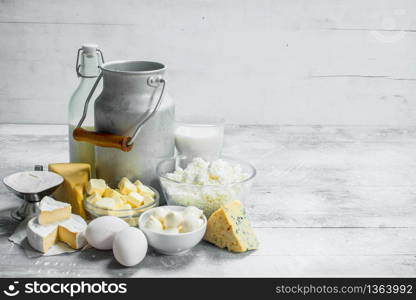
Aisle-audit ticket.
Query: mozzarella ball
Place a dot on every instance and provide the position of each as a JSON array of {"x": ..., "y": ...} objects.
[
  {"x": 100, "y": 232},
  {"x": 160, "y": 213},
  {"x": 152, "y": 223},
  {"x": 193, "y": 211},
  {"x": 173, "y": 219},
  {"x": 130, "y": 246},
  {"x": 191, "y": 223}
]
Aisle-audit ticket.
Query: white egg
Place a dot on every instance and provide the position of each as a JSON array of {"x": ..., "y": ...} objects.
[
  {"x": 173, "y": 219},
  {"x": 160, "y": 212},
  {"x": 152, "y": 223},
  {"x": 100, "y": 232},
  {"x": 192, "y": 210},
  {"x": 191, "y": 223},
  {"x": 130, "y": 246}
]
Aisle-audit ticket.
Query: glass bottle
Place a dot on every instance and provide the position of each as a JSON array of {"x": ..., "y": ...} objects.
[{"x": 89, "y": 58}]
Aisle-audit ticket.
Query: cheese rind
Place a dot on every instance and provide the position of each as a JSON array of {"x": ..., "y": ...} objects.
[
  {"x": 41, "y": 237},
  {"x": 70, "y": 231},
  {"x": 76, "y": 176},
  {"x": 228, "y": 227},
  {"x": 52, "y": 211}
]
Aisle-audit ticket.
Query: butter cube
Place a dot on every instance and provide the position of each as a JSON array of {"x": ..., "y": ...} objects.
[
  {"x": 148, "y": 200},
  {"x": 145, "y": 191},
  {"x": 120, "y": 212},
  {"x": 124, "y": 206},
  {"x": 135, "y": 199},
  {"x": 126, "y": 187},
  {"x": 110, "y": 193},
  {"x": 138, "y": 183},
  {"x": 96, "y": 186},
  {"x": 94, "y": 198},
  {"x": 107, "y": 203}
]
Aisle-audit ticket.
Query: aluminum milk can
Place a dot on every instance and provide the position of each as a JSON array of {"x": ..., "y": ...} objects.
[{"x": 134, "y": 122}]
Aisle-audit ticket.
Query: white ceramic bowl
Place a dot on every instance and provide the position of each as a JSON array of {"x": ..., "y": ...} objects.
[{"x": 172, "y": 244}]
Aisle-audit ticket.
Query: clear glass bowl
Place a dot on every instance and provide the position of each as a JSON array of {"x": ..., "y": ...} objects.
[
  {"x": 131, "y": 216},
  {"x": 206, "y": 197}
]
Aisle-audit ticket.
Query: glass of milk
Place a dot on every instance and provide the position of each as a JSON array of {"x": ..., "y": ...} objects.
[{"x": 199, "y": 136}]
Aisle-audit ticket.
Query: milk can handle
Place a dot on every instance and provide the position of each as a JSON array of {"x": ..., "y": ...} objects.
[
  {"x": 155, "y": 82},
  {"x": 124, "y": 143}
]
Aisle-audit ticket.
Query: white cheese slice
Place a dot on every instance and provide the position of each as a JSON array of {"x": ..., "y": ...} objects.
[
  {"x": 71, "y": 231},
  {"x": 51, "y": 211}
]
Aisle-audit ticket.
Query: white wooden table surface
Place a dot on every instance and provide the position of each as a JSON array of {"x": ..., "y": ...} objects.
[{"x": 328, "y": 201}]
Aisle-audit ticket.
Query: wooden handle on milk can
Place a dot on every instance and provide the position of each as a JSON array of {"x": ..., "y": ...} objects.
[
  {"x": 101, "y": 139},
  {"x": 124, "y": 143}
]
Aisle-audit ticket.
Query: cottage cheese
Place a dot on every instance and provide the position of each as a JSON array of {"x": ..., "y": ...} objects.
[{"x": 207, "y": 186}]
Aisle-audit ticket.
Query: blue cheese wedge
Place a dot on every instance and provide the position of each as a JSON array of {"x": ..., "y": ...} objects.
[{"x": 228, "y": 227}]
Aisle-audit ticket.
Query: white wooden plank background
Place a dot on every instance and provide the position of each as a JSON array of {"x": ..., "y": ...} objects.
[
  {"x": 256, "y": 62},
  {"x": 327, "y": 201}
]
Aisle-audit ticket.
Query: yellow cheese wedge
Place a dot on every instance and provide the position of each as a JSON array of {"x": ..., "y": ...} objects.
[
  {"x": 76, "y": 176},
  {"x": 96, "y": 186},
  {"x": 51, "y": 211},
  {"x": 228, "y": 227},
  {"x": 126, "y": 186}
]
